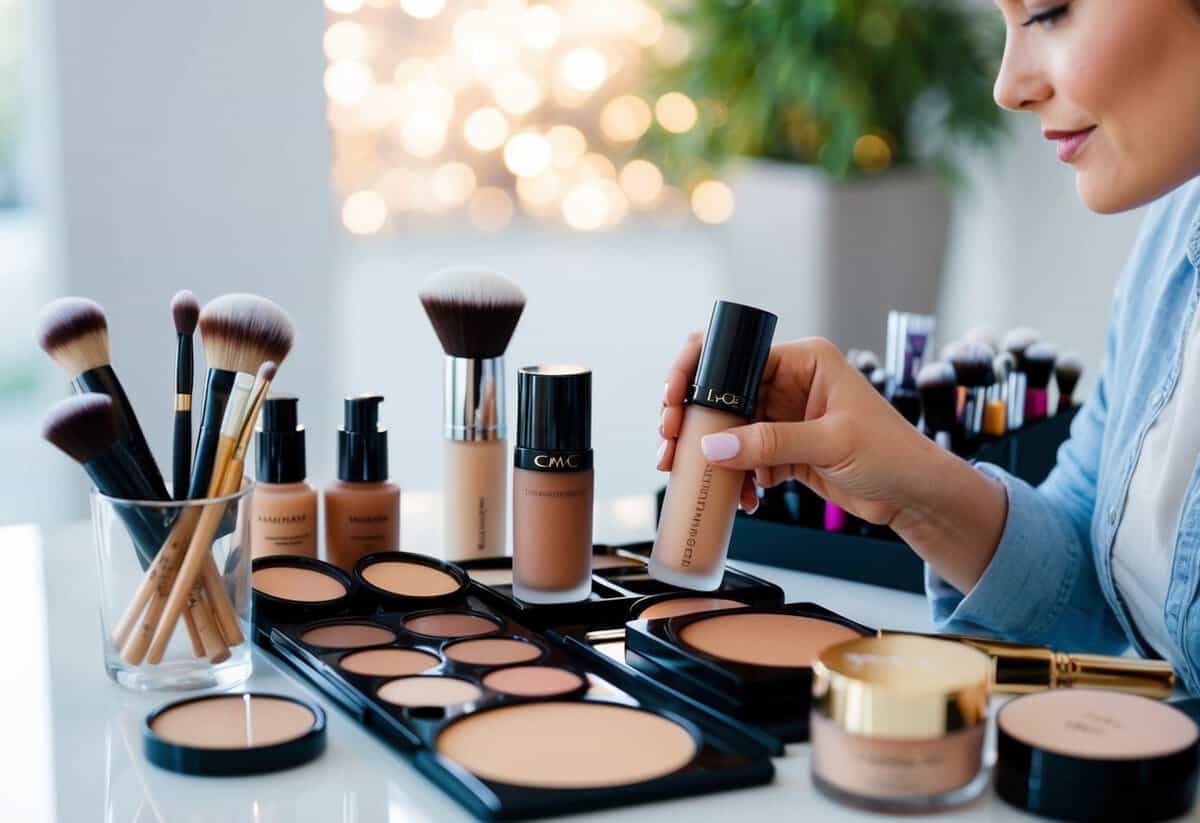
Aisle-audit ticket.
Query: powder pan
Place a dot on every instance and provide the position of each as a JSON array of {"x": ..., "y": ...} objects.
[
  {"x": 296, "y": 736},
  {"x": 403, "y": 580},
  {"x": 279, "y": 606}
]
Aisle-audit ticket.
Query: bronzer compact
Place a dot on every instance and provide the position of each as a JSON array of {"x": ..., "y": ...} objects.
[
  {"x": 752, "y": 664},
  {"x": 497, "y": 715}
]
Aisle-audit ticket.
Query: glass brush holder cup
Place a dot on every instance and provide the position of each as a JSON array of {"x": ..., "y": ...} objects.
[{"x": 157, "y": 631}]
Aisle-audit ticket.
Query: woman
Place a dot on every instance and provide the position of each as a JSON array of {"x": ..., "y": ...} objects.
[{"x": 1106, "y": 552}]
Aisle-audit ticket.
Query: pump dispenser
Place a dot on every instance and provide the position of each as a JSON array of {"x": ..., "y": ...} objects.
[
  {"x": 362, "y": 508},
  {"x": 283, "y": 516}
]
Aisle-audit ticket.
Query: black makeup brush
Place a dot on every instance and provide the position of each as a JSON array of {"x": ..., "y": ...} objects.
[
  {"x": 74, "y": 331},
  {"x": 1039, "y": 365},
  {"x": 1015, "y": 343},
  {"x": 878, "y": 378},
  {"x": 185, "y": 311},
  {"x": 938, "y": 387},
  {"x": 239, "y": 333},
  {"x": 474, "y": 314},
  {"x": 866, "y": 362},
  {"x": 1067, "y": 371},
  {"x": 85, "y": 427},
  {"x": 973, "y": 368}
]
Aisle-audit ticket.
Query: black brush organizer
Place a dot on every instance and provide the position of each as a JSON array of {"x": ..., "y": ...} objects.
[{"x": 786, "y": 531}]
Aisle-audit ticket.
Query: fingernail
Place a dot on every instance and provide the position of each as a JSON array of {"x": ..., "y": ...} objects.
[
  {"x": 720, "y": 446},
  {"x": 666, "y": 391},
  {"x": 662, "y": 424},
  {"x": 662, "y": 449}
]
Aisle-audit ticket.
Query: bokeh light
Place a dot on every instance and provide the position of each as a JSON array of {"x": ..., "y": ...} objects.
[
  {"x": 527, "y": 154},
  {"x": 625, "y": 119},
  {"x": 490, "y": 209},
  {"x": 585, "y": 207},
  {"x": 642, "y": 183},
  {"x": 347, "y": 81},
  {"x": 676, "y": 112},
  {"x": 364, "y": 212},
  {"x": 584, "y": 68},
  {"x": 712, "y": 202},
  {"x": 453, "y": 183},
  {"x": 872, "y": 153},
  {"x": 485, "y": 129},
  {"x": 567, "y": 145},
  {"x": 345, "y": 39},
  {"x": 517, "y": 92},
  {"x": 541, "y": 27},
  {"x": 423, "y": 9},
  {"x": 343, "y": 6}
]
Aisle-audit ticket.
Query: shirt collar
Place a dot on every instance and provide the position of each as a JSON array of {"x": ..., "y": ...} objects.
[{"x": 1194, "y": 242}]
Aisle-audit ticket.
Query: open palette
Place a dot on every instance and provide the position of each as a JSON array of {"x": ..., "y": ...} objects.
[
  {"x": 498, "y": 715},
  {"x": 620, "y": 579}
]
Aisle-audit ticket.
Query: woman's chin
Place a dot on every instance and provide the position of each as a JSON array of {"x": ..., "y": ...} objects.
[{"x": 1104, "y": 194}]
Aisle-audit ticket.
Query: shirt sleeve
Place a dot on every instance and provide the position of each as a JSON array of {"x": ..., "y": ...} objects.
[{"x": 1041, "y": 585}]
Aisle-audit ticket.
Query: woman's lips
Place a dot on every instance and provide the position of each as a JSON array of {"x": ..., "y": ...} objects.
[{"x": 1069, "y": 143}]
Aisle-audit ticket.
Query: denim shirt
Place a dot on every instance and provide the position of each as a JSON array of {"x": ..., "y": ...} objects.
[{"x": 1050, "y": 581}]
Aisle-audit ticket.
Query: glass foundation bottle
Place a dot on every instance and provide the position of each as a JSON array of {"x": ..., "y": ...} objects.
[
  {"x": 283, "y": 510},
  {"x": 701, "y": 501},
  {"x": 553, "y": 485},
  {"x": 362, "y": 508}
]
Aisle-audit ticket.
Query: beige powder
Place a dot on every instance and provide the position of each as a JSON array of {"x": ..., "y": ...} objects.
[
  {"x": 298, "y": 584},
  {"x": 1097, "y": 724},
  {"x": 233, "y": 722},
  {"x": 410, "y": 579},
  {"x": 348, "y": 635},
  {"x": 496, "y": 651},
  {"x": 686, "y": 605},
  {"x": 567, "y": 745},
  {"x": 388, "y": 662},
  {"x": 533, "y": 681},
  {"x": 491, "y": 577},
  {"x": 450, "y": 624},
  {"x": 765, "y": 639},
  {"x": 429, "y": 690}
]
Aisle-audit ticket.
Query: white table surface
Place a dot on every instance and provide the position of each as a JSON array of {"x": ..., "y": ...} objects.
[{"x": 72, "y": 750}]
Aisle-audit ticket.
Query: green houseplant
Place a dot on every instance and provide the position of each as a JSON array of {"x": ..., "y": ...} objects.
[
  {"x": 848, "y": 86},
  {"x": 846, "y": 117}
]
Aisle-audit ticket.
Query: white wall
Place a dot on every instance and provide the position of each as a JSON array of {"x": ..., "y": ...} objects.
[{"x": 187, "y": 148}]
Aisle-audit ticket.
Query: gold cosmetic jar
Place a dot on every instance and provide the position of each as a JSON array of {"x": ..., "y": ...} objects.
[{"x": 898, "y": 723}]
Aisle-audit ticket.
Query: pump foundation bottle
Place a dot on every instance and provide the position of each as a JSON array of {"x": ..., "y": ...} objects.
[
  {"x": 701, "y": 500},
  {"x": 283, "y": 514},
  {"x": 553, "y": 485},
  {"x": 362, "y": 509}
]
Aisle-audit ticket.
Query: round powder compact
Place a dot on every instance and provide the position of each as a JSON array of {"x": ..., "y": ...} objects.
[
  {"x": 1087, "y": 754},
  {"x": 299, "y": 588},
  {"x": 493, "y": 651},
  {"x": 764, "y": 638},
  {"x": 232, "y": 734},
  {"x": 388, "y": 662},
  {"x": 567, "y": 745},
  {"x": 451, "y": 624},
  {"x": 535, "y": 681},
  {"x": 428, "y": 690},
  {"x": 347, "y": 635},
  {"x": 400, "y": 578},
  {"x": 673, "y": 606}
]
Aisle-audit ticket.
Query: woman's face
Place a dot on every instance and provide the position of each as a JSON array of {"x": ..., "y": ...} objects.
[{"x": 1116, "y": 85}]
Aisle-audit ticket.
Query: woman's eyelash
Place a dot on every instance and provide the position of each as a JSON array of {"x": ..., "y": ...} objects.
[{"x": 1047, "y": 16}]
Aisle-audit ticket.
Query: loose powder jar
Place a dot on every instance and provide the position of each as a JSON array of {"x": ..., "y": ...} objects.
[{"x": 898, "y": 723}]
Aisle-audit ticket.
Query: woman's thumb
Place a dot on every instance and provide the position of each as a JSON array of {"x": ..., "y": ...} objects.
[{"x": 769, "y": 444}]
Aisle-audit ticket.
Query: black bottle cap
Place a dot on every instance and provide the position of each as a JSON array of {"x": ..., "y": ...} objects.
[
  {"x": 733, "y": 358},
  {"x": 554, "y": 414},
  {"x": 281, "y": 457},
  {"x": 362, "y": 444}
]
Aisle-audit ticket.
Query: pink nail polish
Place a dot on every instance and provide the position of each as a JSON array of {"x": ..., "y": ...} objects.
[
  {"x": 720, "y": 446},
  {"x": 662, "y": 450}
]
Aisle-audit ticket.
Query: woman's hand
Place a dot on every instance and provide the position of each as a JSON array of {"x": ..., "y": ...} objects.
[{"x": 821, "y": 422}]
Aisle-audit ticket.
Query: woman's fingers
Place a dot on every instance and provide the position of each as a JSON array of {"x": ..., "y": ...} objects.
[
  {"x": 666, "y": 455},
  {"x": 682, "y": 371},
  {"x": 749, "y": 495},
  {"x": 670, "y": 422},
  {"x": 774, "y": 444}
]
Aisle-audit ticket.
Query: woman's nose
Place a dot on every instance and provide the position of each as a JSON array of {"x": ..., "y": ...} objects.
[{"x": 1021, "y": 82}]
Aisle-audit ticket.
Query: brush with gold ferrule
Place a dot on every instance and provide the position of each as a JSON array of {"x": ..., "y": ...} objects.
[{"x": 186, "y": 312}]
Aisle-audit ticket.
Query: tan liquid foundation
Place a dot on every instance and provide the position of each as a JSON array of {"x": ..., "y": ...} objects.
[
  {"x": 283, "y": 514},
  {"x": 553, "y": 485},
  {"x": 701, "y": 501}
]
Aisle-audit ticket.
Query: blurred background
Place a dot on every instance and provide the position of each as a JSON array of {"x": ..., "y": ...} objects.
[{"x": 626, "y": 161}]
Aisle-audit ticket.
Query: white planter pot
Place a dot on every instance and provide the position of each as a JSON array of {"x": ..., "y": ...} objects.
[{"x": 831, "y": 258}]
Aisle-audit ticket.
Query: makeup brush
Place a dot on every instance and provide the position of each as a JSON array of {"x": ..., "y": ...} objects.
[
  {"x": 1039, "y": 366},
  {"x": 995, "y": 413},
  {"x": 1015, "y": 343},
  {"x": 474, "y": 314},
  {"x": 879, "y": 380},
  {"x": 866, "y": 362},
  {"x": 74, "y": 332},
  {"x": 1067, "y": 371},
  {"x": 973, "y": 368},
  {"x": 198, "y": 550},
  {"x": 84, "y": 427},
  {"x": 239, "y": 333},
  {"x": 186, "y": 312},
  {"x": 938, "y": 387},
  {"x": 984, "y": 335}
]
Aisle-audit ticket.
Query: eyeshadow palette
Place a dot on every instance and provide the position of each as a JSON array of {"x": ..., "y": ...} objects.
[
  {"x": 499, "y": 716},
  {"x": 619, "y": 580},
  {"x": 751, "y": 664}
]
